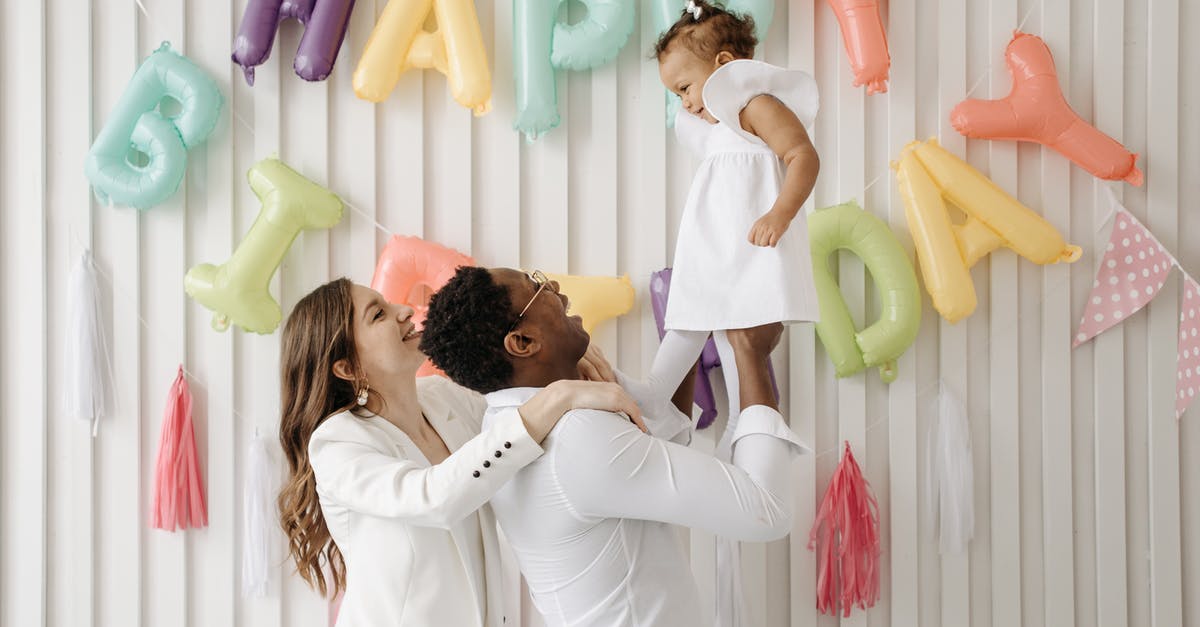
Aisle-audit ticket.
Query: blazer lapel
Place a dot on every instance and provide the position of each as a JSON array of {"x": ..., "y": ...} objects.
[{"x": 455, "y": 432}]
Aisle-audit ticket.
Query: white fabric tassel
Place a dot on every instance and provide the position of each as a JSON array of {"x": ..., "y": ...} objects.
[
  {"x": 259, "y": 520},
  {"x": 88, "y": 388},
  {"x": 950, "y": 476}
]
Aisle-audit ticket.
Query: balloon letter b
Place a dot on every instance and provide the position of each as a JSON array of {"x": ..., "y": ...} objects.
[{"x": 163, "y": 139}]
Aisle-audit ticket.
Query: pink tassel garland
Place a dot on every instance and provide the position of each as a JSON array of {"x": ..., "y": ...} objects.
[
  {"x": 178, "y": 489},
  {"x": 845, "y": 536}
]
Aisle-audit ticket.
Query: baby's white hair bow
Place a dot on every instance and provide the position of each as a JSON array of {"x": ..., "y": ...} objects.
[{"x": 694, "y": 9}]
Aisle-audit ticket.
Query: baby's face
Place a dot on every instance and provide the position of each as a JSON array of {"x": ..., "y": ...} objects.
[{"x": 684, "y": 73}]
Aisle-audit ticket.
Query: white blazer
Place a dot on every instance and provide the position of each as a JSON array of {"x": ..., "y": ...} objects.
[{"x": 419, "y": 541}]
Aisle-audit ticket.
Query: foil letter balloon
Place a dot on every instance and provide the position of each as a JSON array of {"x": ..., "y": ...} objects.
[
  {"x": 880, "y": 344},
  {"x": 409, "y": 271},
  {"x": 928, "y": 176},
  {"x": 325, "y": 23},
  {"x": 237, "y": 290},
  {"x": 1036, "y": 111},
  {"x": 400, "y": 42},
  {"x": 865, "y": 41},
  {"x": 541, "y": 44},
  {"x": 140, "y": 156}
]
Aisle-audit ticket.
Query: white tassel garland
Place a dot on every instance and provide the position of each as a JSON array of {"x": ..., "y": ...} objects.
[
  {"x": 88, "y": 386},
  {"x": 259, "y": 523},
  {"x": 950, "y": 476}
]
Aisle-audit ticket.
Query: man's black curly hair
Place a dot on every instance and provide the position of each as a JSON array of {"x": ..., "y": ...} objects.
[{"x": 465, "y": 328}]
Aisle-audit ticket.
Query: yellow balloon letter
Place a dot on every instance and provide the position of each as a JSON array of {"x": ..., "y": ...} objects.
[
  {"x": 596, "y": 298},
  {"x": 400, "y": 42},
  {"x": 928, "y": 174}
]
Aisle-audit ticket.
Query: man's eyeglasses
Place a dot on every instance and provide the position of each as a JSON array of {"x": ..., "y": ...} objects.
[{"x": 542, "y": 282}]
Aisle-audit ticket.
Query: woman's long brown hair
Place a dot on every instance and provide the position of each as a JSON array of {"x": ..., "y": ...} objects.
[{"x": 317, "y": 334}]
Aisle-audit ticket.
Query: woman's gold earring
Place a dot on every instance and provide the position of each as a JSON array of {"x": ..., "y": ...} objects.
[{"x": 362, "y": 395}]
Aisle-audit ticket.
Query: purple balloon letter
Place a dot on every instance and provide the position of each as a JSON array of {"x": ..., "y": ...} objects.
[
  {"x": 325, "y": 23},
  {"x": 660, "y": 290}
]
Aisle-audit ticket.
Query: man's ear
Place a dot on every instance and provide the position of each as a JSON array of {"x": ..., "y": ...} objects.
[
  {"x": 341, "y": 370},
  {"x": 723, "y": 57},
  {"x": 522, "y": 343}
]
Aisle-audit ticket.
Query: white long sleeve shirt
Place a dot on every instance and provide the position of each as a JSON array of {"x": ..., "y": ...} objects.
[{"x": 590, "y": 520}]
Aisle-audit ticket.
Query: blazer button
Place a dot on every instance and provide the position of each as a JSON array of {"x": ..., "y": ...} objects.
[
  {"x": 498, "y": 453},
  {"x": 475, "y": 474},
  {"x": 508, "y": 445},
  {"x": 487, "y": 464}
]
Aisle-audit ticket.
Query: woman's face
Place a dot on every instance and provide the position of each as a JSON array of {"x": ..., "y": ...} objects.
[{"x": 385, "y": 337}]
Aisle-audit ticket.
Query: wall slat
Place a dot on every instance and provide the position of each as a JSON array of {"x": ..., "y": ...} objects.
[
  {"x": 1110, "y": 374},
  {"x": 1003, "y": 414},
  {"x": 1163, "y": 209},
  {"x": 71, "y": 515},
  {"x": 1057, "y": 330},
  {"x": 953, "y": 347},
  {"x": 903, "y": 461},
  {"x": 23, "y": 331},
  {"x": 210, "y": 217},
  {"x": 121, "y": 506}
]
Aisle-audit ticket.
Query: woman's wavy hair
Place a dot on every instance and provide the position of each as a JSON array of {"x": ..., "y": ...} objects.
[{"x": 317, "y": 334}]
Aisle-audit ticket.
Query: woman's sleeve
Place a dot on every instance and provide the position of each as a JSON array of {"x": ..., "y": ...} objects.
[
  {"x": 733, "y": 85},
  {"x": 351, "y": 469}
]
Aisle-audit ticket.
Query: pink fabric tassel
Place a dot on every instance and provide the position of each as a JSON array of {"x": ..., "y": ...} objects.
[
  {"x": 178, "y": 489},
  {"x": 845, "y": 536}
]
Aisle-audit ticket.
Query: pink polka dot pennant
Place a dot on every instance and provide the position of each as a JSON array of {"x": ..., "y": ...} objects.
[
  {"x": 1133, "y": 270},
  {"x": 1187, "y": 378}
]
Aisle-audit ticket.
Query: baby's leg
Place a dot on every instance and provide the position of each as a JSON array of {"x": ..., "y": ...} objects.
[
  {"x": 745, "y": 362},
  {"x": 752, "y": 354},
  {"x": 676, "y": 355}
]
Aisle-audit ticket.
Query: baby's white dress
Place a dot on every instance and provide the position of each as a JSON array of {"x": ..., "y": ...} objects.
[{"x": 720, "y": 280}]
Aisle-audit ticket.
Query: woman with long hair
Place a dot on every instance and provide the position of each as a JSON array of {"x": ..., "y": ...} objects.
[{"x": 389, "y": 475}]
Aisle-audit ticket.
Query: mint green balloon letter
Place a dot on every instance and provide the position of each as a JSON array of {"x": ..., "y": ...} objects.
[
  {"x": 541, "y": 44},
  {"x": 137, "y": 125}
]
